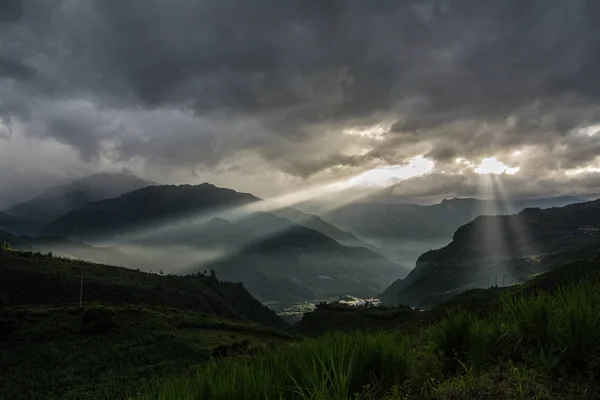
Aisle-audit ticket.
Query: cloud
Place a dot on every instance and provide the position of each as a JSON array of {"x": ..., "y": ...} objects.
[{"x": 218, "y": 89}]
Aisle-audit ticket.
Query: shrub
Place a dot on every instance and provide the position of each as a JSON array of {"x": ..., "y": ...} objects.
[
  {"x": 577, "y": 329},
  {"x": 452, "y": 338},
  {"x": 532, "y": 317}
]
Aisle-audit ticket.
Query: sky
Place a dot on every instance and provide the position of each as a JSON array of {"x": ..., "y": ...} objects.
[{"x": 271, "y": 97}]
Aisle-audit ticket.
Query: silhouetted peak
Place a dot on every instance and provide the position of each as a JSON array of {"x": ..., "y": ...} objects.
[{"x": 218, "y": 222}]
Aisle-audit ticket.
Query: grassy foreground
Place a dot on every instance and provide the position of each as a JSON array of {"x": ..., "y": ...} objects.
[
  {"x": 539, "y": 345},
  {"x": 109, "y": 352}
]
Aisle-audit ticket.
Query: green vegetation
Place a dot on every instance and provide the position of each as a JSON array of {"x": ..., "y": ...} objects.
[
  {"x": 32, "y": 279},
  {"x": 147, "y": 336},
  {"x": 134, "y": 327},
  {"x": 104, "y": 352},
  {"x": 535, "y": 344}
]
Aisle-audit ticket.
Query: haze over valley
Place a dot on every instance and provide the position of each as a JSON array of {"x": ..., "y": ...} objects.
[
  {"x": 342, "y": 199},
  {"x": 283, "y": 256}
]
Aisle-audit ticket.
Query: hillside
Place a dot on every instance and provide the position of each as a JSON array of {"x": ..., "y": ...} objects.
[
  {"x": 482, "y": 302},
  {"x": 482, "y": 344},
  {"x": 64, "y": 198},
  {"x": 277, "y": 259},
  {"x": 501, "y": 250},
  {"x": 32, "y": 279},
  {"x": 17, "y": 225},
  {"x": 540, "y": 340},
  {"x": 403, "y": 232},
  {"x": 281, "y": 261},
  {"x": 102, "y": 352}
]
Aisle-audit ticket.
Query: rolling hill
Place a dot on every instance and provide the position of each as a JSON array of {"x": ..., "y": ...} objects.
[{"x": 31, "y": 279}]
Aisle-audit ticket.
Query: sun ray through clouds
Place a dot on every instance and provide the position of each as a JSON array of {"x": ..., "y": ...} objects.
[
  {"x": 334, "y": 195},
  {"x": 492, "y": 234},
  {"x": 522, "y": 244}
]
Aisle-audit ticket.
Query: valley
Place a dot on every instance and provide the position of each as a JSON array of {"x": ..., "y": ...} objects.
[
  {"x": 299, "y": 200},
  {"x": 176, "y": 278}
]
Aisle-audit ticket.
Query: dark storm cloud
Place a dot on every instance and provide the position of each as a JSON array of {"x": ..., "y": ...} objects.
[{"x": 187, "y": 83}]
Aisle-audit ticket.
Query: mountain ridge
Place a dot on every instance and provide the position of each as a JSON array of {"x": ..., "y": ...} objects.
[
  {"x": 403, "y": 232},
  {"x": 489, "y": 249},
  {"x": 184, "y": 216}
]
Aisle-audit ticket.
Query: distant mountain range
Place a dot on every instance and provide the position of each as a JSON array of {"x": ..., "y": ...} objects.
[
  {"x": 403, "y": 231},
  {"x": 283, "y": 255},
  {"x": 278, "y": 260},
  {"x": 501, "y": 250},
  {"x": 59, "y": 200}
]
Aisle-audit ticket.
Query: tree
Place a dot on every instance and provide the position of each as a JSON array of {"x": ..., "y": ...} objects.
[
  {"x": 213, "y": 274},
  {"x": 5, "y": 246}
]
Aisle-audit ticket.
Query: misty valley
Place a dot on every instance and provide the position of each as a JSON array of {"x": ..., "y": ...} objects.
[
  {"x": 244, "y": 273},
  {"x": 299, "y": 200},
  {"x": 282, "y": 255}
]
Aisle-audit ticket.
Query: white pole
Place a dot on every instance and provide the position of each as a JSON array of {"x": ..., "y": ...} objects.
[{"x": 81, "y": 290}]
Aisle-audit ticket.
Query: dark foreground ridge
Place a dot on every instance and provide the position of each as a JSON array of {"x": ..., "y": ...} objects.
[{"x": 35, "y": 279}]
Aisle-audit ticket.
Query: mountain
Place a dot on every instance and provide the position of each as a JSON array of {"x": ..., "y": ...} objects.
[
  {"x": 36, "y": 279},
  {"x": 190, "y": 228},
  {"x": 151, "y": 210},
  {"x": 281, "y": 261},
  {"x": 402, "y": 232},
  {"x": 317, "y": 224},
  {"x": 483, "y": 302},
  {"x": 17, "y": 225},
  {"x": 64, "y": 198},
  {"x": 501, "y": 250}
]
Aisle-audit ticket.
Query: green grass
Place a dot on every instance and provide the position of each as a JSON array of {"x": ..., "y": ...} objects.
[
  {"x": 535, "y": 346},
  {"x": 539, "y": 340},
  {"x": 104, "y": 352}
]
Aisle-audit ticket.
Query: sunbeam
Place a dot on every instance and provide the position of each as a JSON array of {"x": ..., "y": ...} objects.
[
  {"x": 335, "y": 194},
  {"x": 493, "y": 265},
  {"x": 262, "y": 231},
  {"x": 332, "y": 195},
  {"x": 516, "y": 225}
]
